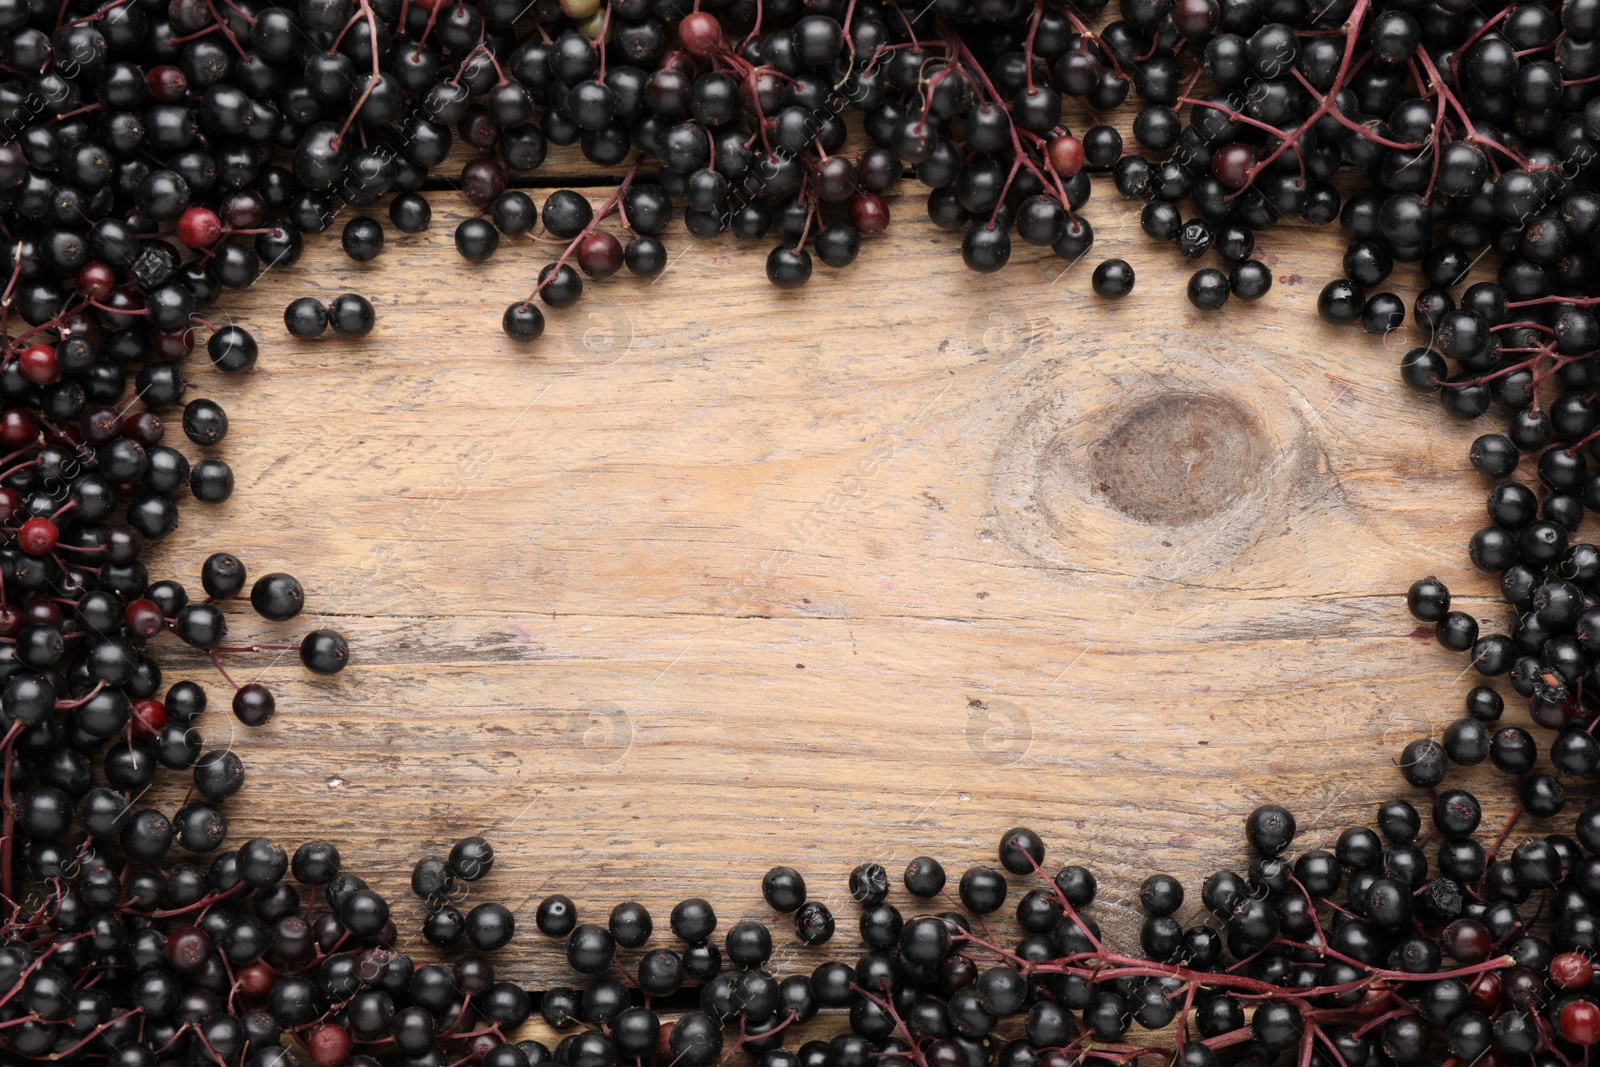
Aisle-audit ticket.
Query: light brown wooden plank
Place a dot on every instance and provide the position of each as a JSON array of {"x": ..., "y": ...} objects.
[{"x": 715, "y": 576}]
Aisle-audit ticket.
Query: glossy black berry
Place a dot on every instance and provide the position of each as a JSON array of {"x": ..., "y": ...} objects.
[
  {"x": 410, "y": 213},
  {"x": 362, "y": 239},
  {"x": 1250, "y": 280},
  {"x": 522, "y": 322},
  {"x": 351, "y": 316},
  {"x": 924, "y": 877},
  {"x": 1340, "y": 301},
  {"x": 476, "y": 239},
  {"x": 1113, "y": 279},
  {"x": 305, "y": 318},
  {"x": 1208, "y": 289},
  {"x": 783, "y": 889}
]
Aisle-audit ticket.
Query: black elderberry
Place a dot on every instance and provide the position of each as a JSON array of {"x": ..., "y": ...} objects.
[
  {"x": 471, "y": 858},
  {"x": 590, "y": 949},
  {"x": 523, "y": 322},
  {"x": 232, "y": 350},
  {"x": 324, "y": 652},
  {"x": 749, "y": 944},
  {"x": 204, "y": 421},
  {"x": 783, "y": 889},
  {"x": 444, "y": 926},
  {"x": 1021, "y": 850},
  {"x": 1430, "y": 308},
  {"x": 278, "y": 597},
  {"x": 813, "y": 923},
  {"x": 1161, "y": 895},
  {"x": 1368, "y": 263},
  {"x": 410, "y": 213},
  {"x": 566, "y": 213},
  {"x": 1270, "y": 828},
  {"x": 880, "y": 926},
  {"x": 702, "y": 961},
  {"x": 693, "y": 920},
  {"x": 1340, "y": 301},
  {"x": 630, "y": 924},
  {"x": 1277, "y": 1024},
  {"x": 262, "y": 862},
  {"x": 1161, "y": 220},
  {"x": 362, "y": 239},
  {"x": 1077, "y": 237},
  {"x": 351, "y": 316},
  {"x": 476, "y": 240},
  {"x": 1039, "y": 911},
  {"x": 560, "y": 285},
  {"x": 924, "y": 877},
  {"x": 514, "y": 213},
  {"x": 1457, "y": 631},
  {"x": 986, "y": 248},
  {"x": 558, "y": 1007},
  {"x": 869, "y": 884},
  {"x": 1195, "y": 238},
  {"x": 1485, "y": 704},
  {"x": 645, "y": 256},
  {"x": 1424, "y": 370},
  {"x": 253, "y": 704},
  {"x": 1423, "y": 763},
  {"x": 1234, "y": 242},
  {"x": 661, "y": 972},
  {"x": 838, "y": 244},
  {"x": 1542, "y": 795},
  {"x": 1208, "y": 289},
  {"x": 1512, "y": 750},
  {"x": 556, "y": 916},
  {"x": 1466, "y": 742},
  {"x": 695, "y": 1040},
  {"x": 1428, "y": 599},
  {"x": 1574, "y": 753},
  {"x": 431, "y": 877},
  {"x": 1113, "y": 279},
  {"x": 923, "y": 941},
  {"x": 212, "y": 480},
  {"x": 185, "y": 701},
  {"x": 982, "y": 890},
  {"x": 1108, "y": 1016},
  {"x": 1383, "y": 313},
  {"x": 489, "y": 926},
  {"x": 1077, "y": 884},
  {"x": 222, "y": 575}
]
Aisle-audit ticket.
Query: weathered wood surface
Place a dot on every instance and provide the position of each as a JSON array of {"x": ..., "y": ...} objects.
[{"x": 716, "y": 576}]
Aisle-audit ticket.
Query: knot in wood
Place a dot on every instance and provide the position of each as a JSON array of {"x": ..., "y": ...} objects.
[{"x": 1178, "y": 457}]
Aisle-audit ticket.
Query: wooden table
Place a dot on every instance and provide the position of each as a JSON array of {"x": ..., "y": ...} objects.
[{"x": 716, "y": 576}]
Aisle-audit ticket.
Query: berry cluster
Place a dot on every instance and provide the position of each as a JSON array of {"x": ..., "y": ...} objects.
[{"x": 1360, "y": 955}]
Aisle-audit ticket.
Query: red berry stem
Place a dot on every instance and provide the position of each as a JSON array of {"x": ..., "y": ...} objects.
[{"x": 606, "y": 208}]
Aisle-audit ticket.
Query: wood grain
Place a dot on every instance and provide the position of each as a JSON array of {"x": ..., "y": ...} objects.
[{"x": 715, "y": 576}]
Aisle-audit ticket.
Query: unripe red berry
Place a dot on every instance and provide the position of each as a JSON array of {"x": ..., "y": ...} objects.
[
  {"x": 600, "y": 255},
  {"x": 148, "y": 716},
  {"x": 95, "y": 281},
  {"x": 1571, "y": 970},
  {"x": 38, "y": 536},
  {"x": 199, "y": 227},
  {"x": 329, "y": 1046},
  {"x": 701, "y": 34},
  {"x": 18, "y": 427},
  {"x": 1580, "y": 1022},
  {"x": 1066, "y": 155},
  {"x": 869, "y": 214},
  {"x": 38, "y": 364}
]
